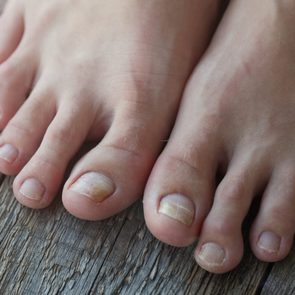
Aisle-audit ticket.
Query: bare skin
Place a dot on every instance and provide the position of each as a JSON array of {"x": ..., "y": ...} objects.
[
  {"x": 93, "y": 70},
  {"x": 237, "y": 114},
  {"x": 121, "y": 80}
]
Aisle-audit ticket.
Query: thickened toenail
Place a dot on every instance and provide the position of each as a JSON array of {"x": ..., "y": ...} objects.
[
  {"x": 269, "y": 242},
  {"x": 94, "y": 185},
  {"x": 178, "y": 207},
  {"x": 211, "y": 254},
  {"x": 8, "y": 153},
  {"x": 32, "y": 189}
]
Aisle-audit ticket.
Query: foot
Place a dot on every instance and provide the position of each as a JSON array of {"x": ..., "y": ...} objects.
[
  {"x": 237, "y": 116},
  {"x": 99, "y": 70}
]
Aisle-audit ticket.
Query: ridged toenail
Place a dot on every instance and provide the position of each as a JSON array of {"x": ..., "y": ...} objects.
[
  {"x": 32, "y": 189},
  {"x": 211, "y": 254},
  {"x": 178, "y": 207},
  {"x": 269, "y": 242},
  {"x": 8, "y": 153},
  {"x": 94, "y": 185}
]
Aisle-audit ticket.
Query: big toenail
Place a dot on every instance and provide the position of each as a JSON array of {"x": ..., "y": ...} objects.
[
  {"x": 94, "y": 185},
  {"x": 8, "y": 153},
  {"x": 269, "y": 242},
  {"x": 32, "y": 189},
  {"x": 178, "y": 207},
  {"x": 211, "y": 254}
]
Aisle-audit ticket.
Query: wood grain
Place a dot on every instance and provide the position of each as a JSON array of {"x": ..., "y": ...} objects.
[{"x": 50, "y": 252}]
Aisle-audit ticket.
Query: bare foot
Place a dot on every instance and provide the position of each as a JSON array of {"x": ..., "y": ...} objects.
[
  {"x": 238, "y": 114},
  {"x": 93, "y": 69}
]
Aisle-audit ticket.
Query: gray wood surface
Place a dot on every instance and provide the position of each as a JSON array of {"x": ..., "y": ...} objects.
[{"x": 51, "y": 252}]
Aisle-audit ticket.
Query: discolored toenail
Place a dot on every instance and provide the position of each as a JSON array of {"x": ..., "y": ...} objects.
[
  {"x": 94, "y": 185},
  {"x": 8, "y": 153},
  {"x": 32, "y": 189},
  {"x": 211, "y": 254},
  {"x": 178, "y": 207},
  {"x": 269, "y": 242}
]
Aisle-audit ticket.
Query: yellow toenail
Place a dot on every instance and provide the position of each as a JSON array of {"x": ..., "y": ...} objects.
[
  {"x": 211, "y": 255},
  {"x": 178, "y": 207},
  {"x": 94, "y": 185}
]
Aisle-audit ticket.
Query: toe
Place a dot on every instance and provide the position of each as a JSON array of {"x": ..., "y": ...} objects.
[
  {"x": 180, "y": 188},
  {"x": 220, "y": 247},
  {"x": 112, "y": 176},
  {"x": 16, "y": 79},
  {"x": 11, "y": 29},
  {"x": 40, "y": 179},
  {"x": 24, "y": 132},
  {"x": 273, "y": 230}
]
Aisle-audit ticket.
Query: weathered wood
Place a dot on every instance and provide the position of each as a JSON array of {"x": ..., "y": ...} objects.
[
  {"x": 50, "y": 252},
  {"x": 281, "y": 279}
]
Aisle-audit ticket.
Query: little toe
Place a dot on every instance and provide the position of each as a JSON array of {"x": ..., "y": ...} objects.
[
  {"x": 23, "y": 134},
  {"x": 273, "y": 230},
  {"x": 40, "y": 179},
  {"x": 11, "y": 28},
  {"x": 112, "y": 176},
  {"x": 220, "y": 247}
]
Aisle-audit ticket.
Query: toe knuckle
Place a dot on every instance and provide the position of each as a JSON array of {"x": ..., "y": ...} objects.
[
  {"x": 122, "y": 147},
  {"x": 222, "y": 227},
  {"x": 60, "y": 134},
  {"x": 8, "y": 71},
  {"x": 20, "y": 129},
  {"x": 231, "y": 192}
]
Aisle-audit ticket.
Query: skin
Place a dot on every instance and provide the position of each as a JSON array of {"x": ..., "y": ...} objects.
[
  {"x": 120, "y": 81},
  {"x": 237, "y": 115},
  {"x": 117, "y": 82}
]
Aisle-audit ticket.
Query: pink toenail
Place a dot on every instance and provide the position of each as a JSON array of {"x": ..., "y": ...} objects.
[
  {"x": 95, "y": 186},
  {"x": 269, "y": 242},
  {"x": 8, "y": 153},
  {"x": 32, "y": 189},
  {"x": 211, "y": 254},
  {"x": 178, "y": 207}
]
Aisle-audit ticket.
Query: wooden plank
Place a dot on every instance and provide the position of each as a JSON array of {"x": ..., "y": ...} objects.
[
  {"x": 281, "y": 279},
  {"x": 50, "y": 252},
  {"x": 2, "y": 2}
]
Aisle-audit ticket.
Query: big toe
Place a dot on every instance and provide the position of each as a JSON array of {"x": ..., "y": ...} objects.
[
  {"x": 180, "y": 189},
  {"x": 112, "y": 176}
]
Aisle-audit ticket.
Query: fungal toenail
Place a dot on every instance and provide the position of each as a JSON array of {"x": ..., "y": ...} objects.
[
  {"x": 178, "y": 207},
  {"x": 269, "y": 242},
  {"x": 94, "y": 185},
  {"x": 211, "y": 254},
  {"x": 8, "y": 153},
  {"x": 32, "y": 189}
]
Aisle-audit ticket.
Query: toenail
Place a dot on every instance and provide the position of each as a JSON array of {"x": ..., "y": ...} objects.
[
  {"x": 8, "y": 153},
  {"x": 94, "y": 185},
  {"x": 211, "y": 254},
  {"x": 178, "y": 207},
  {"x": 32, "y": 189},
  {"x": 269, "y": 242}
]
